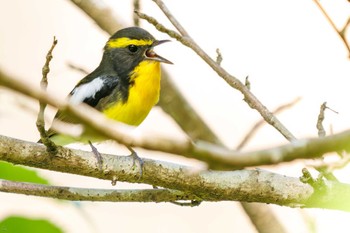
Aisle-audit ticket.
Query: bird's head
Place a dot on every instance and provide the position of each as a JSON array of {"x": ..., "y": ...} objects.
[{"x": 130, "y": 46}]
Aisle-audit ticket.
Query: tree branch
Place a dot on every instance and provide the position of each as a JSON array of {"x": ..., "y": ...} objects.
[
  {"x": 215, "y": 155},
  {"x": 260, "y": 123},
  {"x": 88, "y": 194},
  {"x": 341, "y": 33},
  {"x": 40, "y": 122},
  {"x": 251, "y": 100},
  {"x": 244, "y": 185}
]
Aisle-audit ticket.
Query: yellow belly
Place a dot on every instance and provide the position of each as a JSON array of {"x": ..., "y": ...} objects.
[{"x": 143, "y": 95}]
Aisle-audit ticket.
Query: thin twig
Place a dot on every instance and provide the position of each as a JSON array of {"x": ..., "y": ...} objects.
[
  {"x": 341, "y": 33},
  {"x": 77, "y": 68},
  {"x": 260, "y": 123},
  {"x": 172, "y": 19},
  {"x": 247, "y": 82},
  {"x": 345, "y": 28},
  {"x": 40, "y": 122},
  {"x": 320, "y": 118},
  {"x": 251, "y": 100},
  {"x": 218, "y": 57},
  {"x": 324, "y": 170},
  {"x": 89, "y": 194}
]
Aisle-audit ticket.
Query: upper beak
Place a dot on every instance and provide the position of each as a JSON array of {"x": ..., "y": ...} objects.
[{"x": 151, "y": 55}]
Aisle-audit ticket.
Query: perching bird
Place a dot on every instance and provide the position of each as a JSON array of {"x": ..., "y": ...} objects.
[{"x": 124, "y": 87}]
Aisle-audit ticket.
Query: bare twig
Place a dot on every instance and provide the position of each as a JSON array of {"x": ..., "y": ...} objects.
[
  {"x": 77, "y": 68},
  {"x": 218, "y": 57},
  {"x": 172, "y": 19},
  {"x": 40, "y": 122},
  {"x": 319, "y": 125},
  {"x": 247, "y": 82},
  {"x": 341, "y": 33},
  {"x": 88, "y": 194},
  {"x": 252, "y": 101},
  {"x": 260, "y": 123},
  {"x": 320, "y": 119}
]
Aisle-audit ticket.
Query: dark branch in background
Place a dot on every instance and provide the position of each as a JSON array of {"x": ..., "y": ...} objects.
[
  {"x": 40, "y": 122},
  {"x": 251, "y": 100},
  {"x": 77, "y": 68},
  {"x": 137, "y": 7},
  {"x": 263, "y": 218},
  {"x": 341, "y": 32}
]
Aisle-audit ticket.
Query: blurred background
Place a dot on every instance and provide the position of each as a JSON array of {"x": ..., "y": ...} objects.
[{"x": 287, "y": 48}]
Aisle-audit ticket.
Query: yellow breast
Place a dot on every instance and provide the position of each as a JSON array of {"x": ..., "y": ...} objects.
[{"x": 143, "y": 95}]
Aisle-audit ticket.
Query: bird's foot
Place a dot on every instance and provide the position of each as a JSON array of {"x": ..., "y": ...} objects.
[
  {"x": 97, "y": 156},
  {"x": 135, "y": 157}
]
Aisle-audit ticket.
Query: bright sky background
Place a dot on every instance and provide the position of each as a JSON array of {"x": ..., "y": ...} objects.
[{"x": 287, "y": 48}]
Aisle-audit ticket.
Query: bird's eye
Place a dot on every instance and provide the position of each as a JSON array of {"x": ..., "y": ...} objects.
[{"x": 132, "y": 48}]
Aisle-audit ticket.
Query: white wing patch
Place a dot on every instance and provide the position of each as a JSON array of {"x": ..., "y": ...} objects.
[{"x": 87, "y": 90}]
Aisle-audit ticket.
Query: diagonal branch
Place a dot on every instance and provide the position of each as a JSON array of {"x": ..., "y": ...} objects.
[
  {"x": 260, "y": 123},
  {"x": 251, "y": 100},
  {"x": 341, "y": 33}
]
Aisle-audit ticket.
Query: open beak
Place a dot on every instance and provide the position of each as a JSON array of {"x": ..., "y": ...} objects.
[{"x": 151, "y": 55}]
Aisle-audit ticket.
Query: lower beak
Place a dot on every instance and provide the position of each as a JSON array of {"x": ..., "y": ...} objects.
[{"x": 151, "y": 55}]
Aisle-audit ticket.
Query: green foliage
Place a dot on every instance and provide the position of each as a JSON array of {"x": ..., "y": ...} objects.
[
  {"x": 17, "y": 224},
  {"x": 9, "y": 171}
]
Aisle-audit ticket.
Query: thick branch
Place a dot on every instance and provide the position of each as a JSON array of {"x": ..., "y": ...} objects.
[{"x": 244, "y": 185}]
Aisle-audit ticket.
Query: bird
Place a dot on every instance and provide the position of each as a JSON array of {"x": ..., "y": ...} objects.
[{"x": 124, "y": 87}]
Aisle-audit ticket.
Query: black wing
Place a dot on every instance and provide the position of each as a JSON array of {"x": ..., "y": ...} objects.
[{"x": 91, "y": 92}]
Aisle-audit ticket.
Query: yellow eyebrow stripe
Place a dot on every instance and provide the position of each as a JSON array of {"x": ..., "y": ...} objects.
[{"x": 124, "y": 42}]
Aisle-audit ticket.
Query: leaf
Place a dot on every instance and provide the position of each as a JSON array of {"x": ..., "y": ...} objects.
[
  {"x": 18, "y": 224},
  {"x": 9, "y": 171}
]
